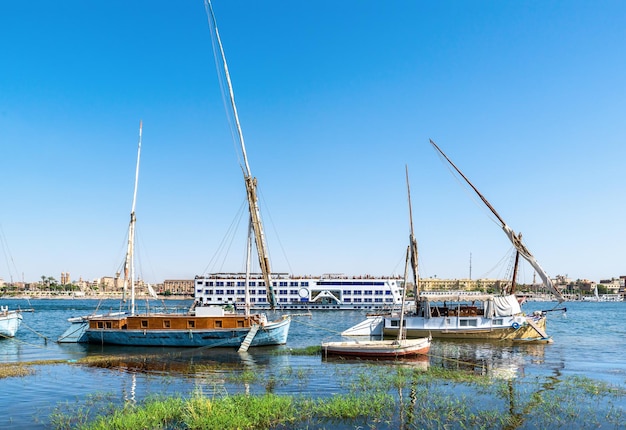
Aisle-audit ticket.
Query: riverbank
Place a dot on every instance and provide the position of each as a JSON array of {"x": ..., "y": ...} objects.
[{"x": 74, "y": 296}]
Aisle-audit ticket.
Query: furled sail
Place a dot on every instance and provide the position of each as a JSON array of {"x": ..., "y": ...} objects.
[{"x": 515, "y": 240}]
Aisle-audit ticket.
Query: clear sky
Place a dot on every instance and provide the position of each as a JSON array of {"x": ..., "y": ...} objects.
[{"x": 335, "y": 97}]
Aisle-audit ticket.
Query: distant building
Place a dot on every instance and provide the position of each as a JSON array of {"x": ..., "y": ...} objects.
[{"x": 178, "y": 287}]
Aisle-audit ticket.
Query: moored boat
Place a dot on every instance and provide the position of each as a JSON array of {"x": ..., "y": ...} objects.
[
  {"x": 378, "y": 348},
  {"x": 402, "y": 346},
  {"x": 10, "y": 322},
  {"x": 468, "y": 315}
]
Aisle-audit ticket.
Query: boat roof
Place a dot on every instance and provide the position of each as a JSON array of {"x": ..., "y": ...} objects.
[{"x": 454, "y": 296}]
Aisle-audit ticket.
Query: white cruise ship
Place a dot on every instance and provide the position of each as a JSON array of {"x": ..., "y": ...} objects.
[{"x": 327, "y": 292}]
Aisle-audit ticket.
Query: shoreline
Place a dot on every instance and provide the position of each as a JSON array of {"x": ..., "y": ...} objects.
[{"x": 88, "y": 297}]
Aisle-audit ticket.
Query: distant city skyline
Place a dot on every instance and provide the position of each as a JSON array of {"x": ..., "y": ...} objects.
[{"x": 335, "y": 99}]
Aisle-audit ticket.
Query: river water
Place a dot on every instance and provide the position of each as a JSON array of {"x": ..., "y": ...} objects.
[{"x": 588, "y": 342}]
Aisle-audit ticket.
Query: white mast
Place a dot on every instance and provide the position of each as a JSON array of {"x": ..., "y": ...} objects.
[
  {"x": 250, "y": 181},
  {"x": 129, "y": 264}
]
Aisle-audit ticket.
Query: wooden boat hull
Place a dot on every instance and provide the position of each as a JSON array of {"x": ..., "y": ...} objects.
[
  {"x": 271, "y": 333},
  {"x": 10, "y": 322},
  {"x": 378, "y": 348}
]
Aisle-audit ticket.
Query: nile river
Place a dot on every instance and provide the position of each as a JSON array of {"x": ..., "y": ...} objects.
[{"x": 588, "y": 342}]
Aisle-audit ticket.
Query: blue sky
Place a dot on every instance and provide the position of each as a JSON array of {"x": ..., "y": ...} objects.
[{"x": 335, "y": 98}]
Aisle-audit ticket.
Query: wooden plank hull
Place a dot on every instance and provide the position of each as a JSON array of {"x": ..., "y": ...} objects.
[
  {"x": 204, "y": 333},
  {"x": 378, "y": 348}
]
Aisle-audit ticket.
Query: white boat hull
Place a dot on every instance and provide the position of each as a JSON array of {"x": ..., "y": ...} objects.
[
  {"x": 378, "y": 348},
  {"x": 10, "y": 322}
]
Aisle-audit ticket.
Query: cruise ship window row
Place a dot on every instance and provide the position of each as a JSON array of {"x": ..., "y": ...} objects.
[{"x": 251, "y": 284}]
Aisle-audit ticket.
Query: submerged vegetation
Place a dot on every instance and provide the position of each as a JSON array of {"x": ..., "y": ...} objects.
[
  {"x": 368, "y": 395},
  {"x": 15, "y": 370}
]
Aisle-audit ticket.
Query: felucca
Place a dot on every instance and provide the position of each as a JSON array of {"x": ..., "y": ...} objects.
[{"x": 467, "y": 314}]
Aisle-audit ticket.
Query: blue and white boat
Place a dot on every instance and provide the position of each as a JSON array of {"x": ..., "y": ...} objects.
[{"x": 202, "y": 326}]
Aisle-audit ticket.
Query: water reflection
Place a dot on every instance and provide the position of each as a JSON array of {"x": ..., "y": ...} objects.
[{"x": 493, "y": 359}]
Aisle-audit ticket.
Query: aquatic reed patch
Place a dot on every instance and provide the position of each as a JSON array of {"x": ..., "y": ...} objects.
[
  {"x": 239, "y": 412},
  {"x": 402, "y": 397},
  {"x": 309, "y": 350},
  {"x": 15, "y": 370}
]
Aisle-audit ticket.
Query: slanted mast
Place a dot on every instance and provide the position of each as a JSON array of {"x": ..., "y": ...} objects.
[
  {"x": 250, "y": 181},
  {"x": 514, "y": 238}
]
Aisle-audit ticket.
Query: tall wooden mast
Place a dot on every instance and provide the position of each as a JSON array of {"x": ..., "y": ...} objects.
[
  {"x": 412, "y": 243},
  {"x": 250, "y": 181}
]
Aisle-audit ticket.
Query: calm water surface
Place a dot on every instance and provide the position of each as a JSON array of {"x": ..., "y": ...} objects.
[{"x": 588, "y": 341}]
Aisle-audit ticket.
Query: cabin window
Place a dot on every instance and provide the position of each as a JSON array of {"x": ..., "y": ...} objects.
[
  {"x": 304, "y": 284},
  {"x": 108, "y": 324},
  {"x": 166, "y": 323},
  {"x": 253, "y": 284},
  {"x": 498, "y": 321},
  {"x": 394, "y": 323},
  {"x": 100, "y": 324},
  {"x": 230, "y": 291},
  {"x": 240, "y": 323},
  {"x": 293, "y": 284},
  {"x": 191, "y": 323},
  {"x": 261, "y": 283},
  {"x": 218, "y": 324},
  {"x": 144, "y": 323},
  {"x": 468, "y": 323},
  {"x": 230, "y": 284}
]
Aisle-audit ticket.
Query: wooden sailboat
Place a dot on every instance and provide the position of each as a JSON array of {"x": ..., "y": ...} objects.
[
  {"x": 468, "y": 314},
  {"x": 476, "y": 315},
  {"x": 204, "y": 326}
]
